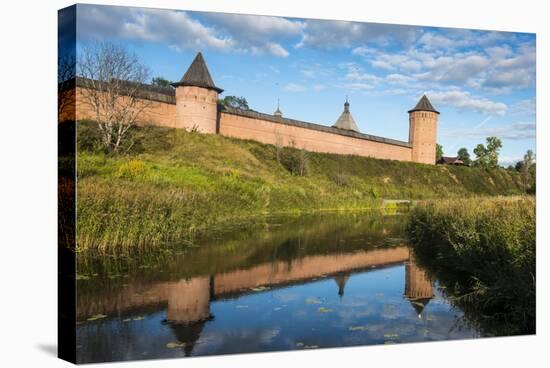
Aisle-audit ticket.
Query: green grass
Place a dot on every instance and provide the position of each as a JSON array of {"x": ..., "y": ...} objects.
[
  {"x": 172, "y": 185},
  {"x": 483, "y": 251}
]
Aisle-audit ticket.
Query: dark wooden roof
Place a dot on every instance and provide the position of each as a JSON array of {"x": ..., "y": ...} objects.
[
  {"x": 450, "y": 161},
  {"x": 424, "y": 105},
  {"x": 198, "y": 75}
]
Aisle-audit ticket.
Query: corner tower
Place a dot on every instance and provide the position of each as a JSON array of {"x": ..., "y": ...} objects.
[
  {"x": 422, "y": 131},
  {"x": 197, "y": 99}
]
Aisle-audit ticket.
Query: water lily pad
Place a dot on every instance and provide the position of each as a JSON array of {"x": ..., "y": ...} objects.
[
  {"x": 313, "y": 301},
  {"x": 324, "y": 310},
  {"x": 311, "y": 346},
  {"x": 96, "y": 317},
  {"x": 82, "y": 277},
  {"x": 139, "y": 318},
  {"x": 126, "y": 320},
  {"x": 359, "y": 328},
  {"x": 391, "y": 335},
  {"x": 259, "y": 288},
  {"x": 174, "y": 345}
]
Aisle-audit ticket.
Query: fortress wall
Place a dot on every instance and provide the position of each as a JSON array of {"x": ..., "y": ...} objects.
[
  {"x": 162, "y": 112},
  {"x": 158, "y": 113},
  {"x": 270, "y": 132}
]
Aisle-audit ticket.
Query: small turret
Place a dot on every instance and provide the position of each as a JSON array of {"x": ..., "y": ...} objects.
[
  {"x": 345, "y": 121},
  {"x": 278, "y": 112}
]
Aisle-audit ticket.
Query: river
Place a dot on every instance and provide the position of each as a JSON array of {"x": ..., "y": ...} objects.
[{"x": 293, "y": 282}]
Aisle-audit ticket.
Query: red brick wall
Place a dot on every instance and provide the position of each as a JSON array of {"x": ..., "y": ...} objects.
[
  {"x": 312, "y": 140},
  {"x": 269, "y": 132}
]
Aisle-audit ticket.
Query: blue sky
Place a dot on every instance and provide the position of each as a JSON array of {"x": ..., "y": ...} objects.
[{"x": 482, "y": 82}]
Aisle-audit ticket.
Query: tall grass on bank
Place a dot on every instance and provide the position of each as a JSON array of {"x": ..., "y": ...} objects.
[
  {"x": 172, "y": 185},
  {"x": 483, "y": 251}
]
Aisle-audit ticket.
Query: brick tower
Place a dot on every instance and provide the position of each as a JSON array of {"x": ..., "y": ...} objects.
[
  {"x": 422, "y": 131},
  {"x": 197, "y": 99}
]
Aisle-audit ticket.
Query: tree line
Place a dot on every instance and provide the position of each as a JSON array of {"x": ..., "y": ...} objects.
[{"x": 486, "y": 156}]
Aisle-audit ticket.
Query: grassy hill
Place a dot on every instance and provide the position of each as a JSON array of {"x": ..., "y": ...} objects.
[{"x": 172, "y": 184}]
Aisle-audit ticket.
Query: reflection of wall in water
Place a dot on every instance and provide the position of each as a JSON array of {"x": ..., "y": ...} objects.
[
  {"x": 189, "y": 300},
  {"x": 418, "y": 285}
]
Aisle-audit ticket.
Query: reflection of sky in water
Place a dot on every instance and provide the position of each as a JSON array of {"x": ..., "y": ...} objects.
[{"x": 372, "y": 310}]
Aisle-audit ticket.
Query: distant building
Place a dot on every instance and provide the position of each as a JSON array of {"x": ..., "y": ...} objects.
[{"x": 450, "y": 161}]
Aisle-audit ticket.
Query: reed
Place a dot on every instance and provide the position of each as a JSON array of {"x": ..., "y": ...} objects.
[{"x": 483, "y": 251}]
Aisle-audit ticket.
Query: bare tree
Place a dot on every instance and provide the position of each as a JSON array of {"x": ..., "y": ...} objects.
[
  {"x": 65, "y": 72},
  {"x": 113, "y": 79}
]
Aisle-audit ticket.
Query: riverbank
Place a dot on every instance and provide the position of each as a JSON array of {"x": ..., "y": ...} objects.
[
  {"x": 483, "y": 252},
  {"x": 172, "y": 185}
]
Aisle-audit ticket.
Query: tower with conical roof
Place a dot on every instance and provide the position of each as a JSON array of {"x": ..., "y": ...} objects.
[
  {"x": 197, "y": 99},
  {"x": 345, "y": 121},
  {"x": 422, "y": 131}
]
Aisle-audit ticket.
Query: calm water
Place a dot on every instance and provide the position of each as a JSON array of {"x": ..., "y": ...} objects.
[{"x": 306, "y": 282}]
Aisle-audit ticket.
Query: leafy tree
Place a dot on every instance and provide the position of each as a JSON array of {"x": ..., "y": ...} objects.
[
  {"x": 438, "y": 151},
  {"x": 481, "y": 156},
  {"x": 525, "y": 170},
  {"x": 160, "y": 82},
  {"x": 464, "y": 156},
  {"x": 487, "y": 156},
  {"x": 235, "y": 102},
  {"x": 493, "y": 148}
]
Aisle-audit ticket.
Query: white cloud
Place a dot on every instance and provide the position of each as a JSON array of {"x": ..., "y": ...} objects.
[
  {"x": 463, "y": 101},
  {"x": 514, "y": 132},
  {"x": 359, "y": 86},
  {"x": 356, "y": 73},
  {"x": 497, "y": 69},
  {"x": 174, "y": 28},
  {"x": 308, "y": 73},
  {"x": 271, "y": 48},
  {"x": 293, "y": 87},
  {"x": 181, "y": 30},
  {"x": 527, "y": 107},
  {"x": 331, "y": 33},
  {"x": 258, "y": 33}
]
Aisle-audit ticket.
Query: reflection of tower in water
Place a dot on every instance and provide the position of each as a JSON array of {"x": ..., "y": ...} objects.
[
  {"x": 341, "y": 280},
  {"x": 189, "y": 310},
  {"x": 418, "y": 286},
  {"x": 189, "y": 300}
]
